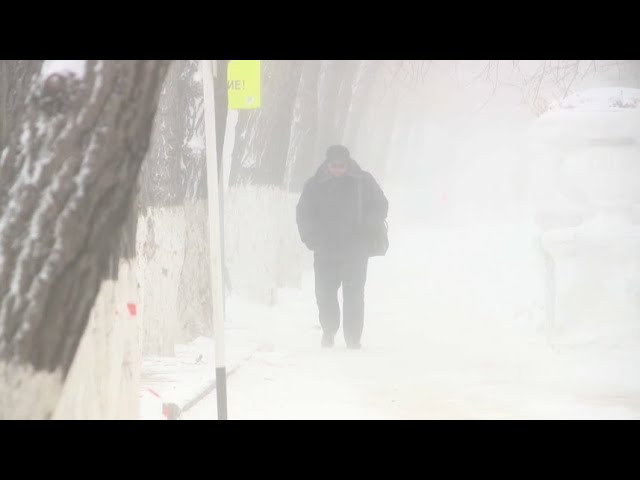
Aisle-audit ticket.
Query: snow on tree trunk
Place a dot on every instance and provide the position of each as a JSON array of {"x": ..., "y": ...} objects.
[
  {"x": 15, "y": 78},
  {"x": 67, "y": 180}
]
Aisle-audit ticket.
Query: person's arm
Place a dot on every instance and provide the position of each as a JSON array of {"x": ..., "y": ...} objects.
[{"x": 305, "y": 217}]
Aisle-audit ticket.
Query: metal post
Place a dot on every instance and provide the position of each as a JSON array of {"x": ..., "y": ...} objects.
[{"x": 216, "y": 240}]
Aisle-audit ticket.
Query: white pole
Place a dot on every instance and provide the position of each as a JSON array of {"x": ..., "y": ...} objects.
[{"x": 215, "y": 235}]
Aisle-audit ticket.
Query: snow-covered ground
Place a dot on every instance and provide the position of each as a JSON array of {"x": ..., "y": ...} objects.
[
  {"x": 456, "y": 313},
  {"x": 454, "y": 329},
  {"x": 184, "y": 378}
]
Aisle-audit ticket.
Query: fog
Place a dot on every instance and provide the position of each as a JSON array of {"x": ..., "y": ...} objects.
[
  {"x": 510, "y": 289},
  {"x": 507, "y": 291}
]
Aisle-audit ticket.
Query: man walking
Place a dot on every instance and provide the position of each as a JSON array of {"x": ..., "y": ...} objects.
[{"x": 341, "y": 217}]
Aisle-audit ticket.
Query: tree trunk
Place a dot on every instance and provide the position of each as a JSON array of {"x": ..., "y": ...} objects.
[
  {"x": 383, "y": 131},
  {"x": 360, "y": 102},
  {"x": 15, "y": 79},
  {"x": 175, "y": 164},
  {"x": 335, "y": 90},
  {"x": 304, "y": 131},
  {"x": 67, "y": 181},
  {"x": 174, "y": 189}
]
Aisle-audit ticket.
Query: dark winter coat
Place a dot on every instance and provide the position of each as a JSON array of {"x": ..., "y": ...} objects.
[{"x": 334, "y": 218}]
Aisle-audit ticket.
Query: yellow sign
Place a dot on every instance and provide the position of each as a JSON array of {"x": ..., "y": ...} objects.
[{"x": 243, "y": 84}]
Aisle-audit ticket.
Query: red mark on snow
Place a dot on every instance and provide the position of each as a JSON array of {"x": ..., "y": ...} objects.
[
  {"x": 153, "y": 392},
  {"x": 132, "y": 309}
]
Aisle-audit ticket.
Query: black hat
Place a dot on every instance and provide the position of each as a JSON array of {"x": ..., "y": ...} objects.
[{"x": 338, "y": 153}]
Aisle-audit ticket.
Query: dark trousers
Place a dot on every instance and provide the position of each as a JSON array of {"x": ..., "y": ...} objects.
[{"x": 351, "y": 273}]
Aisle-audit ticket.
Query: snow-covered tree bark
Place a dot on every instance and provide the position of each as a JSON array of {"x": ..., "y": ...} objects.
[
  {"x": 15, "y": 80},
  {"x": 67, "y": 178}
]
